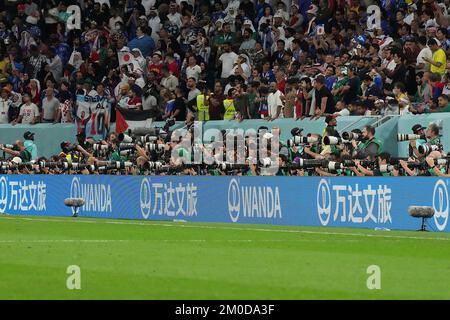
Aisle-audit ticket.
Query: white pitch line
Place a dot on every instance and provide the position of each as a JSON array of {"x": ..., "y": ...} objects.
[
  {"x": 167, "y": 240},
  {"x": 62, "y": 240},
  {"x": 175, "y": 225}
]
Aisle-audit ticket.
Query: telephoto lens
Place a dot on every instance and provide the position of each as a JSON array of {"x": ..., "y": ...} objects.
[
  {"x": 407, "y": 137},
  {"x": 330, "y": 140},
  {"x": 427, "y": 148},
  {"x": 124, "y": 138},
  {"x": 298, "y": 140},
  {"x": 333, "y": 166},
  {"x": 100, "y": 147},
  {"x": 351, "y": 136},
  {"x": 386, "y": 168},
  {"x": 147, "y": 138},
  {"x": 154, "y": 146},
  {"x": 124, "y": 146}
]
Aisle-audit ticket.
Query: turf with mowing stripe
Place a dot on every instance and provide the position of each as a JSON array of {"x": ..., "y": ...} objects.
[{"x": 123, "y": 259}]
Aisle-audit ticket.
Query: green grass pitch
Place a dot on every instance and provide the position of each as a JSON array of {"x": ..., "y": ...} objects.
[{"x": 127, "y": 259}]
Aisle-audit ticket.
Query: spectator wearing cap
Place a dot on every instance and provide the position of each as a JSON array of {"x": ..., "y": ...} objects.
[
  {"x": 142, "y": 41},
  {"x": 439, "y": 61},
  {"x": 323, "y": 97}
]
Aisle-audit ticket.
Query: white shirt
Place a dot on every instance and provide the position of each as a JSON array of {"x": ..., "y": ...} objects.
[
  {"x": 344, "y": 112},
  {"x": 155, "y": 24},
  {"x": 28, "y": 113},
  {"x": 228, "y": 59},
  {"x": 175, "y": 19},
  {"x": 4, "y": 108},
  {"x": 273, "y": 101},
  {"x": 424, "y": 53},
  {"x": 193, "y": 72}
]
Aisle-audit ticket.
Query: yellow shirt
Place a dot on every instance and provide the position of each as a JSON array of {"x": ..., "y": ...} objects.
[{"x": 439, "y": 56}]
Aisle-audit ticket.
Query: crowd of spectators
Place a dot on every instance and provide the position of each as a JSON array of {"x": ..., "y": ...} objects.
[{"x": 224, "y": 59}]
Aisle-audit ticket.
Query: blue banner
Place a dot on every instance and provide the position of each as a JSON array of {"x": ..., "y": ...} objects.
[{"x": 297, "y": 201}]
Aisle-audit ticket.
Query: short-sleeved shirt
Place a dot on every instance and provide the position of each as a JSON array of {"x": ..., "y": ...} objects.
[
  {"x": 325, "y": 93},
  {"x": 439, "y": 56},
  {"x": 49, "y": 108},
  {"x": 28, "y": 112}
]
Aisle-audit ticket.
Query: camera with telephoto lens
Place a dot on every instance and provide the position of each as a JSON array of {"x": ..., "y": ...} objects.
[
  {"x": 364, "y": 163},
  {"x": 147, "y": 138},
  {"x": 100, "y": 147},
  {"x": 49, "y": 164},
  {"x": 126, "y": 152},
  {"x": 333, "y": 165},
  {"x": 152, "y": 165},
  {"x": 126, "y": 146},
  {"x": 298, "y": 140},
  {"x": 155, "y": 146},
  {"x": 330, "y": 140},
  {"x": 387, "y": 168},
  {"x": 352, "y": 136},
  {"x": 306, "y": 164},
  {"x": 427, "y": 148},
  {"x": 9, "y": 146},
  {"x": 407, "y": 137}
]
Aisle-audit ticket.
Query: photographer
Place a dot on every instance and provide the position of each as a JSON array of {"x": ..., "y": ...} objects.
[
  {"x": 433, "y": 141},
  {"x": 383, "y": 159},
  {"x": 370, "y": 146},
  {"x": 414, "y": 144},
  {"x": 30, "y": 145},
  {"x": 18, "y": 150}
]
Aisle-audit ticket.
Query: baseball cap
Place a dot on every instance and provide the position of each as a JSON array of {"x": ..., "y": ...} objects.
[
  {"x": 28, "y": 135},
  {"x": 417, "y": 127}
]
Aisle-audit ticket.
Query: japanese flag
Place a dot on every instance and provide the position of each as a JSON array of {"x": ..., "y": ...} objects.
[{"x": 125, "y": 58}]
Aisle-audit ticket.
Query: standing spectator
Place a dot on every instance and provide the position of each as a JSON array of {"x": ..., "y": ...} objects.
[
  {"x": 275, "y": 102},
  {"x": 5, "y": 104},
  {"x": 226, "y": 61},
  {"x": 142, "y": 41},
  {"x": 50, "y": 105},
  {"x": 29, "y": 112},
  {"x": 324, "y": 98},
  {"x": 439, "y": 61}
]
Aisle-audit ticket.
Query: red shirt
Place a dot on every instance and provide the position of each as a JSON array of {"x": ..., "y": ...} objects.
[
  {"x": 156, "y": 68},
  {"x": 173, "y": 67},
  {"x": 134, "y": 103}
]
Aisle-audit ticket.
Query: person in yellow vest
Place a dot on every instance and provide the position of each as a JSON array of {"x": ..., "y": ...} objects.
[
  {"x": 228, "y": 104},
  {"x": 202, "y": 106}
]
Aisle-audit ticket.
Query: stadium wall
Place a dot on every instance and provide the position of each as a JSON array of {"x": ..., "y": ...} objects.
[
  {"x": 374, "y": 202},
  {"x": 49, "y": 136}
]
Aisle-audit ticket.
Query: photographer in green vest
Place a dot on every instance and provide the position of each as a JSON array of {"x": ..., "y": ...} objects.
[{"x": 370, "y": 147}]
